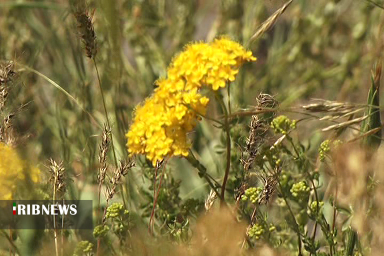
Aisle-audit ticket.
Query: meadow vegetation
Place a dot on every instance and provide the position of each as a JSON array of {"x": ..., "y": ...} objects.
[{"x": 196, "y": 127}]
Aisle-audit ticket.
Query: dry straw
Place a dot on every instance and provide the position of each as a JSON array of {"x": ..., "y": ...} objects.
[{"x": 266, "y": 25}]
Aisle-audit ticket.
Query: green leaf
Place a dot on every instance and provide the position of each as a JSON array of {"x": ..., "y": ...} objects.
[
  {"x": 371, "y": 126},
  {"x": 351, "y": 239}
]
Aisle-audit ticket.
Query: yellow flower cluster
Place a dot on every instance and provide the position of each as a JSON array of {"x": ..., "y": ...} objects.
[
  {"x": 162, "y": 123},
  {"x": 12, "y": 171}
]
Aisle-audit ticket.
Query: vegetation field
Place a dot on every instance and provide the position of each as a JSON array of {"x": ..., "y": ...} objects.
[{"x": 222, "y": 127}]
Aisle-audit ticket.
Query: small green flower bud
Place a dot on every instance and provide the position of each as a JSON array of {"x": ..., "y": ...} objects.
[
  {"x": 300, "y": 191},
  {"x": 83, "y": 247},
  {"x": 252, "y": 194},
  {"x": 256, "y": 231},
  {"x": 283, "y": 124},
  {"x": 326, "y": 147},
  {"x": 115, "y": 210},
  {"x": 100, "y": 231}
]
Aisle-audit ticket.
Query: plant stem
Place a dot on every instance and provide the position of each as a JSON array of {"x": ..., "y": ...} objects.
[
  {"x": 105, "y": 110},
  {"x": 228, "y": 141},
  {"x": 293, "y": 145},
  {"x": 9, "y": 238},
  {"x": 294, "y": 219},
  {"x": 151, "y": 219},
  {"x": 202, "y": 172},
  {"x": 54, "y": 217}
]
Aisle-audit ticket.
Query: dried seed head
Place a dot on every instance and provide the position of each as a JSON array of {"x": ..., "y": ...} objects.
[
  {"x": 86, "y": 30},
  {"x": 266, "y": 25},
  {"x": 6, "y": 72},
  {"x": 122, "y": 170},
  {"x": 6, "y": 75},
  {"x": 104, "y": 147},
  {"x": 270, "y": 183},
  {"x": 6, "y": 130},
  {"x": 212, "y": 196},
  {"x": 330, "y": 106},
  {"x": 266, "y": 101},
  {"x": 259, "y": 127},
  {"x": 57, "y": 178}
]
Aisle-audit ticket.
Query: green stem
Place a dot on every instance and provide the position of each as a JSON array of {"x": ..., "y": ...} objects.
[
  {"x": 10, "y": 240},
  {"x": 228, "y": 141},
  {"x": 313, "y": 184},
  {"x": 293, "y": 145},
  {"x": 202, "y": 172},
  {"x": 294, "y": 219},
  {"x": 105, "y": 110},
  {"x": 54, "y": 217}
]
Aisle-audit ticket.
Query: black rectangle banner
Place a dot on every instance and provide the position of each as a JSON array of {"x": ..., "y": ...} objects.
[{"x": 44, "y": 214}]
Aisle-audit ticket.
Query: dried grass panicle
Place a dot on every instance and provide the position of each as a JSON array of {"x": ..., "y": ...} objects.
[
  {"x": 329, "y": 106},
  {"x": 255, "y": 140},
  {"x": 86, "y": 30},
  {"x": 6, "y": 130},
  {"x": 333, "y": 109},
  {"x": 210, "y": 200},
  {"x": 266, "y": 25},
  {"x": 7, "y": 74},
  {"x": 266, "y": 101},
  {"x": 58, "y": 177},
  {"x": 259, "y": 127},
  {"x": 122, "y": 170},
  {"x": 270, "y": 184},
  {"x": 103, "y": 151}
]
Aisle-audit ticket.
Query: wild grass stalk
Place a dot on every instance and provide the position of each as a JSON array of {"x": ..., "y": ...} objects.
[
  {"x": 59, "y": 186},
  {"x": 88, "y": 35}
]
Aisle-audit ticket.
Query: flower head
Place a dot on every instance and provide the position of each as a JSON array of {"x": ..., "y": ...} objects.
[
  {"x": 162, "y": 122},
  {"x": 13, "y": 170}
]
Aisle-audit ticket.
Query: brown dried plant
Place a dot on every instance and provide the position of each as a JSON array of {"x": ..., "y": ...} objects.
[
  {"x": 266, "y": 25},
  {"x": 86, "y": 29},
  {"x": 357, "y": 184},
  {"x": 259, "y": 127},
  {"x": 58, "y": 178},
  {"x": 7, "y": 74},
  {"x": 103, "y": 151}
]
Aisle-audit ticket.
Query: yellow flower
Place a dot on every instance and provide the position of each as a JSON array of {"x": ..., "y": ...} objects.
[
  {"x": 160, "y": 125},
  {"x": 12, "y": 171},
  {"x": 209, "y": 64}
]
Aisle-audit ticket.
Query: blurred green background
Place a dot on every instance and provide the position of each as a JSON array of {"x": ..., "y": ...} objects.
[{"x": 317, "y": 49}]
